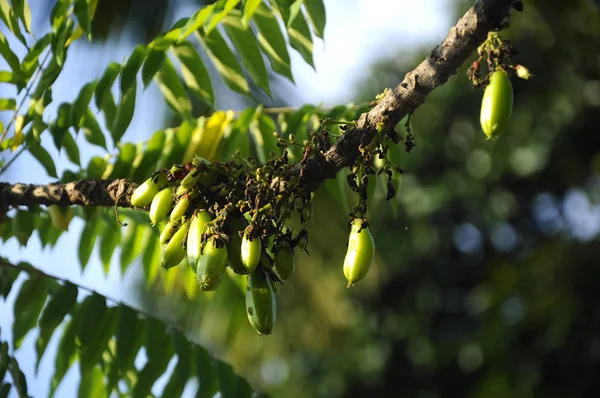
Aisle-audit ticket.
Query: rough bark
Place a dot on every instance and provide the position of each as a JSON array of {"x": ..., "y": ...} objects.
[{"x": 442, "y": 63}]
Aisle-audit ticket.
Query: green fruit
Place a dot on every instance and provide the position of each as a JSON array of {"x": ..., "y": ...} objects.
[
  {"x": 497, "y": 104},
  {"x": 161, "y": 205},
  {"x": 250, "y": 252},
  {"x": 180, "y": 208},
  {"x": 261, "y": 307},
  {"x": 194, "y": 238},
  {"x": 361, "y": 250},
  {"x": 173, "y": 252},
  {"x": 211, "y": 266},
  {"x": 191, "y": 178},
  {"x": 234, "y": 247},
  {"x": 168, "y": 231},
  {"x": 143, "y": 194},
  {"x": 284, "y": 261}
]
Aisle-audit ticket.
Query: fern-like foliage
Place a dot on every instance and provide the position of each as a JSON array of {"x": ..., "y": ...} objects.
[{"x": 104, "y": 338}]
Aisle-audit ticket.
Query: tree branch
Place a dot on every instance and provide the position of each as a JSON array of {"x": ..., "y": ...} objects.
[{"x": 462, "y": 40}]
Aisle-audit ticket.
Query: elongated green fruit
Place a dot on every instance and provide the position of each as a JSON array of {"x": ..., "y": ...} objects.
[
  {"x": 197, "y": 228},
  {"x": 191, "y": 178},
  {"x": 250, "y": 252},
  {"x": 261, "y": 306},
  {"x": 234, "y": 247},
  {"x": 211, "y": 266},
  {"x": 143, "y": 194},
  {"x": 173, "y": 252},
  {"x": 161, "y": 205},
  {"x": 284, "y": 261},
  {"x": 168, "y": 231},
  {"x": 497, "y": 104},
  {"x": 180, "y": 208},
  {"x": 361, "y": 250}
]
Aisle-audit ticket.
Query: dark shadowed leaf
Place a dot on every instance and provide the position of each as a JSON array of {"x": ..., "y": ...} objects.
[
  {"x": 28, "y": 305},
  {"x": 173, "y": 90}
]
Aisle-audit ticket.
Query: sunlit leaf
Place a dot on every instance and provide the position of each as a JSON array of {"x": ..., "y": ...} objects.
[
  {"x": 247, "y": 47},
  {"x": 225, "y": 62},
  {"x": 92, "y": 383},
  {"x": 152, "y": 64},
  {"x": 220, "y": 9},
  {"x": 300, "y": 38},
  {"x": 82, "y": 12},
  {"x": 272, "y": 41},
  {"x": 315, "y": 9},
  {"x": 194, "y": 73},
  {"x": 173, "y": 90}
]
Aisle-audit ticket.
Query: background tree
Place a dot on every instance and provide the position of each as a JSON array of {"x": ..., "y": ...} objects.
[{"x": 483, "y": 282}]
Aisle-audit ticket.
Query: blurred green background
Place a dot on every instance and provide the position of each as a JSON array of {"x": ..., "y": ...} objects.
[{"x": 486, "y": 281}]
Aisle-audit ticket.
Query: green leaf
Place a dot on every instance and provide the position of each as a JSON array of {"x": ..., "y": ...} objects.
[
  {"x": 195, "y": 22},
  {"x": 4, "y": 359},
  {"x": 6, "y": 77},
  {"x": 129, "y": 335},
  {"x": 283, "y": 8},
  {"x": 7, "y": 277},
  {"x": 123, "y": 164},
  {"x": 151, "y": 65},
  {"x": 300, "y": 38},
  {"x": 60, "y": 127},
  {"x": 96, "y": 167},
  {"x": 59, "y": 42},
  {"x": 124, "y": 113},
  {"x": 131, "y": 68},
  {"x": 5, "y": 390},
  {"x": 261, "y": 129},
  {"x": 272, "y": 41},
  {"x": 71, "y": 149},
  {"x": 92, "y": 132},
  {"x": 153, "y": 150},
  {"x": 92, "y": 383},
  {"x": 195, "y": 75},
  {"x": 87, "y": 242},
  {"x": 19, "y": 380},
  {"x": 315, "y": 9},
  {"x": 83, "y": 14},
  {"x": 159, "y": 349},
  {"x": 8, "y": 104},
  {"x": 59, "y": 13},
  {"x": 59, "y": 305},
  {"x": 92, "y": 349},
  {"x": 81, "y": 103},
  {"x": 23, "y": 11},
  {"x": 30, "y": 61},
  {"x": 182, "y": 372},
  {"x": 249, "y": 9},
  {"x": 110, "y": 239},
  {"x": 65, "y": 355},
  {"x": 295, "y": 9},
  {"x": 173, "y": 90},
  {"x": 49, "y": 76},
  {"x": 225, "y": 62},
  {"x": 220, "y": 9},
  {"x": 9, "y": 56},
  {"x": 236, "y": 138},
  {"x": 28, "y": 305},
  {"x": 247, "y": 47},
  {"x": 132, "y": 245},
  {"x": 42, "y": 156},
  {"x": 151, "y": 256},
  {"x": 9, "y": 18},
  {"x": 88, "y": 318},
  {"x": 106, "y": 82},
  {"x": 207, "y": 375}
]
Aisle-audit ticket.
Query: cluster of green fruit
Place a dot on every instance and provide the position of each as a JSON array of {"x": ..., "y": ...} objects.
[{"x": 192, "y": 226}]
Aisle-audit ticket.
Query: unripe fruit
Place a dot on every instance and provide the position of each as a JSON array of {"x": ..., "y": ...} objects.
[
  {"x": 161, "y": 205},
  {"x": 211, "y": 266},
  {"x": 250, "y": 252},
  {"x": 361, "y": 250},
  {"x": 497, "y": 103},
  {"x": 180, "y": 208},
  {"x": 191, "y": 178},
  {"x": 234, "y": 248},
  {"x": 284, "y": 261},
  {"x": 143, "y": 194},
  {"x": 173, "y": 252},
  {"x": 261, "y": 307},
  {"x": 197, "y": 229},
  {"x": 168, "y": 231}
]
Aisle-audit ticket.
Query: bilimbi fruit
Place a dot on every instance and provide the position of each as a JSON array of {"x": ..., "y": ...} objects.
[
  {"x": 361, "y": 250},
  {"x": 211, "y": 265},
  {"x": 497, "y": 104},
  {"x": 161, "y": 205},
  {"x": 143, "y": 194},
  {"x": 261, "y": 307},
  {"x": 250, "y": 252}
]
